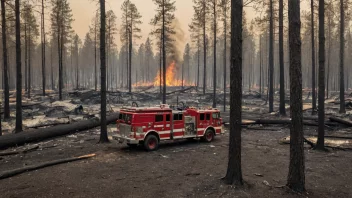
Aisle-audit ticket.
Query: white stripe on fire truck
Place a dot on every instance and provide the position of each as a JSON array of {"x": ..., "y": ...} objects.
[
  {"x": 158, "y": 125},
  {"x": 217, "y": 127}
]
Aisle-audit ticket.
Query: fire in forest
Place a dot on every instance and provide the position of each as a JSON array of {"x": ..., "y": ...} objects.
[{"x": 171, "y": 79}]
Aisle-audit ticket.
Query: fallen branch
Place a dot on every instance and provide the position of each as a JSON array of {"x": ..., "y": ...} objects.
[
  {"x": 14, "y": 172},
  {"x": 36, "y": 135},
  {"x": 18, "y": 152},
  {"x": 341, "y": 121},
  {"x": 182, "y": 90}
]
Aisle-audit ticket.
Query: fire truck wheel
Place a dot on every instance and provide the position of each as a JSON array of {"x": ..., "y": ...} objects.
[
  {"x": 151, "y": 143},
  {"x": 209, "y": 135}
]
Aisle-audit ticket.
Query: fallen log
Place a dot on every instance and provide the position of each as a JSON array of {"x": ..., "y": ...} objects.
[
  {"x": 36, "y": 135},
  {"x": 14, "y": 172},
  {"x": 341, "y": 121},
  {"x": 18, "y": 152},
  {"x": 182, "y": 90}
]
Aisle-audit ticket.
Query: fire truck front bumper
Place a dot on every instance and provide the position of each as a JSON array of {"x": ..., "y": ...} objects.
[{"x": 122, "y": 139}]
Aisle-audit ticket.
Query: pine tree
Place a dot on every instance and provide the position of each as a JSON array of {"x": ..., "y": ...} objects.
[
  {"x": 103, "y": 127},
  {"x": 342, "y": 55},
  {"x": 31, "y": 34},
  {"x": 296, "y": 176},
  {"x": 148, "y": 54},
  {"x": 162, "y": 22},
  {"x": 314, "y": 99},
  {"x": 18, "y": 69},
  {"x": 321, "y": 78},
  {"x": 5, "y": 62},
  {"x": 111, "y": 30},
  {"x": 76, "y": 43},
  {"x": 196, "y": 36},
  {"x": 225, "y": 9},
  {"x": 281, "y": 56},
  {"x": 186, "y": 60},
  {"x": 43, "y": 43},
  {"x": 213, "y": 6},
  {"x": 61, "y": 19},
  {"x": 234, "y": 169},
  {"x": 202, "y": 9}
]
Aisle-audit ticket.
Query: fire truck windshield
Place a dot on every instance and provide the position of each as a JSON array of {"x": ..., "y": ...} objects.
[{"x": 125, "y": 117}]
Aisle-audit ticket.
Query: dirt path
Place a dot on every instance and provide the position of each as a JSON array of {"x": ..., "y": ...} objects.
[{"x": 177, "y": 169}]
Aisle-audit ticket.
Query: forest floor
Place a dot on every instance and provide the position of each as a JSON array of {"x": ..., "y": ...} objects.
[{"x": 181, "y": 168}]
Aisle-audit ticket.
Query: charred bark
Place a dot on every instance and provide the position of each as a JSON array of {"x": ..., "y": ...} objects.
[
  {"x": 5, "y": 62},
  {"x": 296, "y": 175},
  {"x": 321, "y": 93},
  {"x": 234, "y": 170},
  {"x": 18, "y": 69},
  {"x": 103, "y": 121}
]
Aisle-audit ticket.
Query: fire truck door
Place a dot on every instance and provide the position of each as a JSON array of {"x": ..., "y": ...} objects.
[{"x": 159, "y": 124}]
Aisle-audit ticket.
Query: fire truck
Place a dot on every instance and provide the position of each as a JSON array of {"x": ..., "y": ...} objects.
[{"x": 148, "y": 126}]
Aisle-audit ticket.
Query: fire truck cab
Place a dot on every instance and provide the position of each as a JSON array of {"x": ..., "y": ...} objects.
[{"x": 150, "y": 125}]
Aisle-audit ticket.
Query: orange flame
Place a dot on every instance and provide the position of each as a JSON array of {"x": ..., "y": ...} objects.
[{"x": 170, "y": 78}]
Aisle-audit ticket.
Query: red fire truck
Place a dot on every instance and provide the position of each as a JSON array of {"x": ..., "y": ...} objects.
[{"x": 150, "y": 125}]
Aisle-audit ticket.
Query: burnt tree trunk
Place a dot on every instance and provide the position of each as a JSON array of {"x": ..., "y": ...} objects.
[
  {"x": 225, "y": 53},
  {"x": 43, "y": 48},
  {"x": 314, "y": 98},
  {"x": 342, "y": 54},
  {"x": 95, "y": 57},
  {"x": 271, "y": 59},
  {"x": 18, "y": 69},
  {"x": 321, "y": 93},
  {"x": 29, "y": 63},
  {"x": 5, "y": 62},
  {"x": 205, "y": 48},
  {"x": 214, "y": 70},
  {"x": 164, "y": 55},
  {"x": 296, "y": 176},
  {"x": 281, "y": 56},
  {"x": 103, "y": 127},
  {"x": 234, "y": 170},
  {"x": 51, "y": 66},
  {"x": 25, "y": 57}
]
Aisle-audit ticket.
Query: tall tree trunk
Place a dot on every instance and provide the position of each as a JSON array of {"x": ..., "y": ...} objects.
[
  {"x": 103, "y": 129},
  {"x": 314, "y": 98},
  {"x": 43, "y": 49},
  {"x": 260, "y": 64},
  {"x": 25, "y": 57},
  {"x": 198, "y": 60},
  {"x": 5, "y": 62},
  {"x": 29, "y": 63},
  {"x": 225, "y": 53},
  {"x": 77, "y": 70},
  {"x": 329, "y": 52},
  {"x": 234, "y": 170},
  {"x": 182, "y": 73},
  {"x": 18, "y": 69},
  {"x": 51, "y": 66},
  {"x": 160, "y": 61},
  {"x": 296, "y": 176},
  {"x": 205, "y": 48},
  {"x": 271, "y": 59},
  {"x": 342, "y": 58},
  {"x": 281, "y": 56},
  {"x": 164, "y": 56},
  {"x": 214, "y": 70},
  {"x": 130, "y": 62},
  {"x": 321, "y": 94},
  {"x": 95, "y": 57}
]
